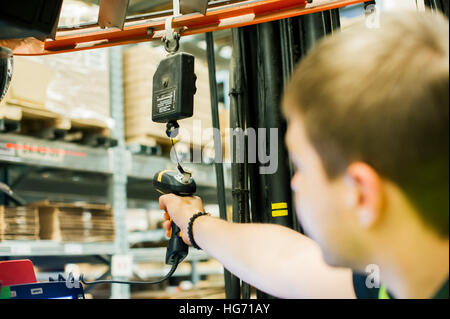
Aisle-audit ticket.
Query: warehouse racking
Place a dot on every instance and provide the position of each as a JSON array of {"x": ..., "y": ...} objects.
[{"x": 114, "y": 166}]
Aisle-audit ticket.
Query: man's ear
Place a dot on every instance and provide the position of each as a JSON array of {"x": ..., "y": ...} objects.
[{"x": 367, "y": 193}]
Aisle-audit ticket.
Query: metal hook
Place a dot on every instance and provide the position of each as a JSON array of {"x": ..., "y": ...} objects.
[{"x": 171, "y": 37}]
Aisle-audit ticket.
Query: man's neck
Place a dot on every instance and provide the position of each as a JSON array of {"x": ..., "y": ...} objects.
[{"x": 415, "y": 264}]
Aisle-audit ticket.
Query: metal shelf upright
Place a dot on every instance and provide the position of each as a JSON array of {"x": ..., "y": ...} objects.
[{"x": 117, "y": 191}]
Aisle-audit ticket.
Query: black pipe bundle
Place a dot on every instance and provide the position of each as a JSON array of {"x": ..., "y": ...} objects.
[{"x": 264, "y": 56}]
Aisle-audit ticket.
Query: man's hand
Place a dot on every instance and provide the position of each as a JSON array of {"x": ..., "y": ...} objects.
[{"x": 180, "y": 209}]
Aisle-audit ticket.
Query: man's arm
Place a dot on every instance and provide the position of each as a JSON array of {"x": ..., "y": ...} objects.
[{"x": 272, "y": 258}]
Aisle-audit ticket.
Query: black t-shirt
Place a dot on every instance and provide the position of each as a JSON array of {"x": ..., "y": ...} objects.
[
  {"x": 361, "y": 289},
  {"x": 362, "y": 292}
]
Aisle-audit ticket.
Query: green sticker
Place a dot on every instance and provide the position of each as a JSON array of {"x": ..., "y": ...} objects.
[{"x": 5, "y": 293}]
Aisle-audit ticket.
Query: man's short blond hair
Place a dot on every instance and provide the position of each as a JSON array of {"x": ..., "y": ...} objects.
[{"x": 382, "y": 96}]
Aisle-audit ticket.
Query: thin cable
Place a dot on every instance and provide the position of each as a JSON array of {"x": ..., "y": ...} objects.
[
  {"x": 178, "y": 161},
  {"x": 95, "y": 282}
]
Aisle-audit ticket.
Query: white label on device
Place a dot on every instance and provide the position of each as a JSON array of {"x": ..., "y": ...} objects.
[{"x": 36, "y": 291}]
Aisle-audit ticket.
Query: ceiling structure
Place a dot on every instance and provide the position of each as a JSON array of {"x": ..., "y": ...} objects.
[{"x": 122, "y": 22}]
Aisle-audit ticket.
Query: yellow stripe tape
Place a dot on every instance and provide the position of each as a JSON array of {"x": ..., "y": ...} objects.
[
  {"x": 278, "y": 213},
  {"x": 279, "y": 205}
]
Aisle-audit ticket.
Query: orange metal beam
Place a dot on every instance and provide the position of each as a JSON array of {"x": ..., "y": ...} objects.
[{"x": 241, "y": 15}]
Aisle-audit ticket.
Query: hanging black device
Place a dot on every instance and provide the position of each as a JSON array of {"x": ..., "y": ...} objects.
[
  {"x": 174, "y": 88},
  {"x": 173, "y": 100}
]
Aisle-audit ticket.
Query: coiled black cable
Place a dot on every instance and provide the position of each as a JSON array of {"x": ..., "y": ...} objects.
[{"x": 169, "y": 274}]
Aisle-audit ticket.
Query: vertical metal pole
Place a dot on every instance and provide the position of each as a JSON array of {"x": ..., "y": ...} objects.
[
  {"x": 331, "y": 20},
  {"x": 430, "y": 3},
  {"x": 264, "y": 79},
  {"x": 442, "y": 5},
  {"x": 287, "y": 54},
  {"x": 248, "y": 41},
  {"x": 268, "y": 52},
  {"x": 195, "y": 275},
  {"x": 290, "y": 50},
  {"x": 274, "y": 189},
  {"x": 5, "y": 178},
  {"x": 270, "y": 91},
  {"x": 445, "y": 7},
  {"x": 231, "y": 282},
  {"x": 117, "y": 191},
  {"x": 336, "y": 19},
  {"x": 238, "y": 121},
  {"x": 311, "y": 27}
]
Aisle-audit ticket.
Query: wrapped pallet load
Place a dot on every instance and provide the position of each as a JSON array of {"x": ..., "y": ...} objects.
[{"x": 70, "y": 88}]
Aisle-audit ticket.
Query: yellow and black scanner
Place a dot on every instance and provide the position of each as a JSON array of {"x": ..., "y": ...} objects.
[
  {"x": 175, "y": 182},
  {"x": 181, "y": 183}
]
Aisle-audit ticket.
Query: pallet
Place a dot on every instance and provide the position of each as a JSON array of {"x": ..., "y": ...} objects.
[
  {"x": 162, "y": 144},
  {"x": 41, "y": 123},
  {"x": 144, "y": 145},
  {"x": 141, "y": 149},
  {"x": 155, "y": 145}
]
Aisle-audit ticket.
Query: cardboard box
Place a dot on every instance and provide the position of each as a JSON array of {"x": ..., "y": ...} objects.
[
  {"x": 72, "y": 85},
  {"x": 80, "y": 88},
  {"x": 19, "y": 223},
  {"x": 29, "y": 83},
  {"x": 75, "y": 222}
]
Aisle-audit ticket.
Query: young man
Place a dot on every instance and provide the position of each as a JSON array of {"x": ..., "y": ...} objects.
[{"x": 368, "y": 132}]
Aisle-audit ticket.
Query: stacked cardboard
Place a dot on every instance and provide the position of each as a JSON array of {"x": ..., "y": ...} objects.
[
  {"x": 72, "y": 85},
  {"x": 80, "y": 87},
  {"x": 19, "y": 223},
  {"x": 75, "y": 222},
  {"x": 29, "y": 83},
  {"x": 140, "y": 63}
]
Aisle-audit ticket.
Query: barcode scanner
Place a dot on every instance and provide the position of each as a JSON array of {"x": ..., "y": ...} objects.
[
  {"x": 181, "y": 183},
  {"x": 178, "y": 182}
]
